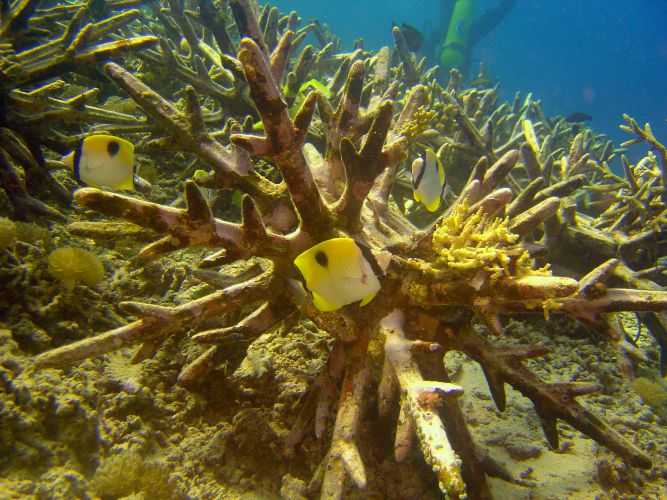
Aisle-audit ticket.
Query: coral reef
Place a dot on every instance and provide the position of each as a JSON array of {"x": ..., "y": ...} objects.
[
  {"x": 33, "y": 98},
  {"x": 311, "y": 161}
]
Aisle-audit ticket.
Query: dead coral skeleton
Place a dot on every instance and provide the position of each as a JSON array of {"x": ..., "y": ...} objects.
[{"x": 472, "y": 261}]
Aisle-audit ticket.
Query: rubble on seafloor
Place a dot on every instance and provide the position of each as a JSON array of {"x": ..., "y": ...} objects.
[{"x": 194, "y": 369}]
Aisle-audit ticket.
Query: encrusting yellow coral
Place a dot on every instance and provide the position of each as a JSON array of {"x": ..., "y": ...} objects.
[
  {"x": 70, "y": 265},
  {"x": 476, "y": 242},
  {"x": 420, "y": 121}
]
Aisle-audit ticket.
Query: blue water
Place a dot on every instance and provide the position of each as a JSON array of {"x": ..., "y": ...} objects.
[{"x": 602, "y": 57}]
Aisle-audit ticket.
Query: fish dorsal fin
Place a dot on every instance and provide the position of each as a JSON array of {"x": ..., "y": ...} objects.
[{"x": 442, "y": 176}]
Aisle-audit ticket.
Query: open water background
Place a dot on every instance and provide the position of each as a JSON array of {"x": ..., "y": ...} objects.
[{"x": 601, "y": 57}]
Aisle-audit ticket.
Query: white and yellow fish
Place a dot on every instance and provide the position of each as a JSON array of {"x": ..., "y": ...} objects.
[
  {"x": 428, "y": 180},
  {"x": 337, "y": 272},
  {"x": 103, "y": 160}
]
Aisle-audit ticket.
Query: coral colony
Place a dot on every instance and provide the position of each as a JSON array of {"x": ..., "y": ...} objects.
[{"x": 532, "y": 219}]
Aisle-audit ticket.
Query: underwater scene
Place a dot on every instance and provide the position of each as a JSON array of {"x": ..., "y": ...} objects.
[{"x": 380, "y": 249}]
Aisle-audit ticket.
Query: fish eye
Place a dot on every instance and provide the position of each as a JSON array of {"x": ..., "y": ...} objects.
[
  {"x": 113, "y": 147},
  {"x": 322, "y": 259}
]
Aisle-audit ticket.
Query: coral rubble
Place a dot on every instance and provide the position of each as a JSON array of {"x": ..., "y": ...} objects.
[{"x": 311, "y": 163}]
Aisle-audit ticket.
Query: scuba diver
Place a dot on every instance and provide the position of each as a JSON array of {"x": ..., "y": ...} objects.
[{"x": 461, "y": 31}]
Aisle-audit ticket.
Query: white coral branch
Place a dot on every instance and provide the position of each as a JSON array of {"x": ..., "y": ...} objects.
[{"x": 419, "y": 409}]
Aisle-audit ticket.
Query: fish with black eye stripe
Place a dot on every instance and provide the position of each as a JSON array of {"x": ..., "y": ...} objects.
[
  {"x": 428, "y": 180},
  {"x": 341, "y": 271},
  {"x": 106, "y": 161}
]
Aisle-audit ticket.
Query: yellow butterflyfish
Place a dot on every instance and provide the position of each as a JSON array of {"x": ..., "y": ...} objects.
[
  {"x": 103, "y": 160},
  {"x": 337, "y": 273},
  {"x": 428, "y": 180}
]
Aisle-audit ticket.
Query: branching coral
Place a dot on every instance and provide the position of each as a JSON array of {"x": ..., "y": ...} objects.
[
  {"x": 31, "y": 101},
  {"x": 333, "y": 164},
  {"x": 633, "y": 207},
  {"x": 473, "y": 242}
]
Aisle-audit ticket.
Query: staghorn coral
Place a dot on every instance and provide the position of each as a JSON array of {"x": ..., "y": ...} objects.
[
  {"x": 616, "y": 217},
  {"x": 633, "y": 207},
  {"x": 473, "y": 262},
  {"x": 609, "y": 217},
  {"x": 348, "y": 215},
  {"x": 418, "y": 124},
  {"x": 38, "y": 90},
  {"x": 474, "y": 242}
]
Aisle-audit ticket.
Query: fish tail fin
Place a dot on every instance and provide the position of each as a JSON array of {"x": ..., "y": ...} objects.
[
  {"x": 433, "y": 205},
  {"x": 68, "y": 160}
]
